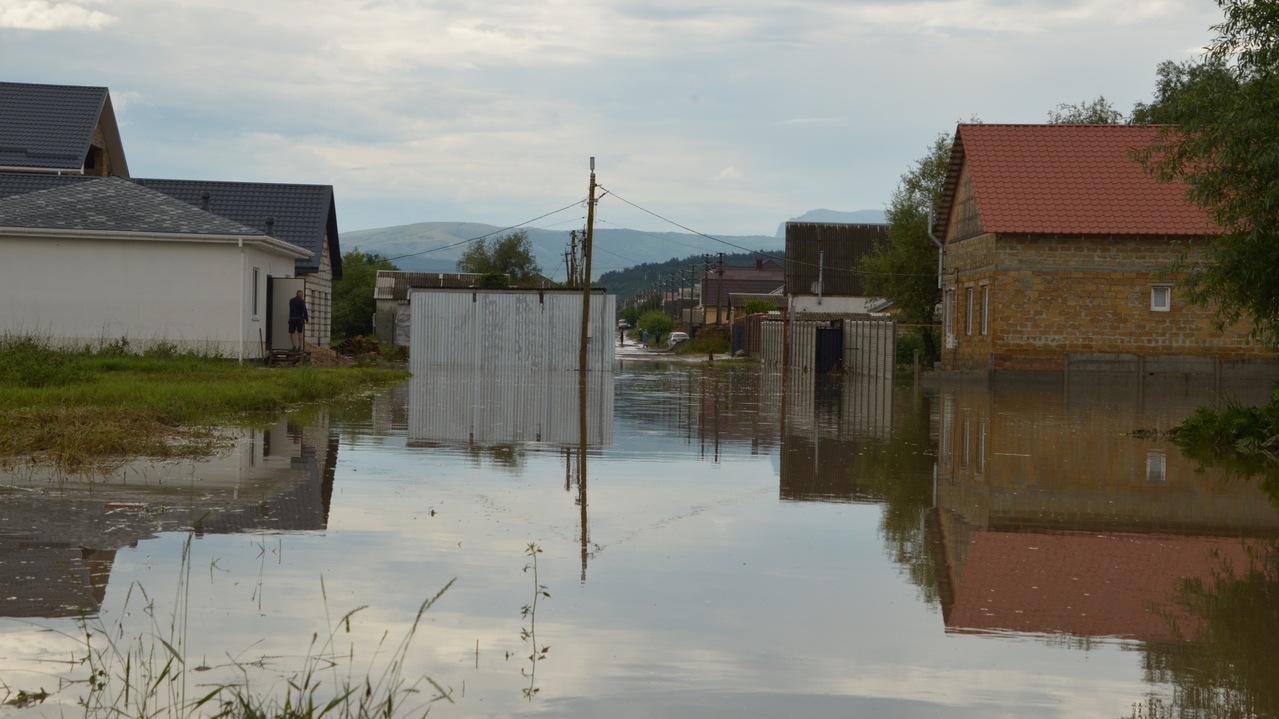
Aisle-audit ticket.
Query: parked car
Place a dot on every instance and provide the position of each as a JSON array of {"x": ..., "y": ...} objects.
[
  {"x": 676, "y": 338},
  {"x": 623, "y": 325}
]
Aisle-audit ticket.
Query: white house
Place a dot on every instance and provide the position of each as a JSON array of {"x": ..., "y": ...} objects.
[{"x": 106, "y": 259}]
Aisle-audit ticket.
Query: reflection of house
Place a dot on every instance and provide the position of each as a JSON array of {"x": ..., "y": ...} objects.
[
  {"x": 391, "y": 321},
  {"x": 1056, "y": 248},
  {"x": 59, "y": 535},
  {"x": 830, "y": 425},
  {"x": 1052, "y": 518},
  {"x": 57, "y": 143}
]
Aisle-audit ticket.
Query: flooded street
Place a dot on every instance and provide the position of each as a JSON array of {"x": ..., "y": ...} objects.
[{"x": 734, "y": 543}]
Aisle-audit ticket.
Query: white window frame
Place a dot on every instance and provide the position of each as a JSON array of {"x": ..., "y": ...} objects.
[
  {"x": 1161, "y": 298},
  {"x": 968, "y": 311},
  {"x": 985, "y": 310}
]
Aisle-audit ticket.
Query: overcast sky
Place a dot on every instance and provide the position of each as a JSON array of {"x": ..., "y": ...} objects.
[{"x": 725, "y": 116}]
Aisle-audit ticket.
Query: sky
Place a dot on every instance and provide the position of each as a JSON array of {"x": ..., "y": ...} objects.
[{"x": 725, "y": 117}]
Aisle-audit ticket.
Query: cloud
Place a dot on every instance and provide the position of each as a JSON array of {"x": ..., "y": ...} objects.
[{"x": 44, "y": 15}]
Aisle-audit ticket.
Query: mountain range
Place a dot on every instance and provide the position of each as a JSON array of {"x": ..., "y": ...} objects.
[{"x": 436, "y": 246}]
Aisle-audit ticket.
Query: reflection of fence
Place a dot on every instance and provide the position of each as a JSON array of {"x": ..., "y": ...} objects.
[
  {"x": 508, "y": 406},
  {"x": 837, "y": 406},
  {"x": 860, "y": 345}
]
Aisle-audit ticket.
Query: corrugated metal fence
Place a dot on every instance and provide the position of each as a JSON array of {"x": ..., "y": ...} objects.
[
  {"x": 869, "y": 345},
  {"x": 529, "y": 329}
]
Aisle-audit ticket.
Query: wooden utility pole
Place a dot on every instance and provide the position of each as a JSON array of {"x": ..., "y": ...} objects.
[{"x": 586, "y": 270}]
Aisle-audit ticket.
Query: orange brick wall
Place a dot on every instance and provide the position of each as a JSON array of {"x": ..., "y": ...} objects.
[{"x": 1050, "y": 296}]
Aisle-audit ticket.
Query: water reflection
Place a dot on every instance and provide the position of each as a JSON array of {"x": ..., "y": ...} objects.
[
  {"x": 757, "y": 545},
  {"x": 1061, "y": 514},
  {"x": 59, "y": 535}
]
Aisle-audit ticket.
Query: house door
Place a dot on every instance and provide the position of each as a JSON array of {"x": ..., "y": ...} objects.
[
  {"x": 279, "y": 290},
  {"x": 830, "y": 348}
]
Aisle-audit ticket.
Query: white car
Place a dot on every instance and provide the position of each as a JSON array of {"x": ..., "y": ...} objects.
[{"x": 676, "y": 338}]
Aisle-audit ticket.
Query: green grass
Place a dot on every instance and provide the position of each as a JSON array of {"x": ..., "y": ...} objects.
[{"x": 75, "y": 410}]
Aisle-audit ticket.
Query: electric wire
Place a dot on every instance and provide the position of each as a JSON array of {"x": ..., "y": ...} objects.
[{"x": 487, "y": 234}]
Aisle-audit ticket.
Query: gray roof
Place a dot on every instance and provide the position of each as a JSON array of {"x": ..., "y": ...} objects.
[
  {"x": 50, "y": 127},
  {"x": 304, "y": 214},
  {"x": 113, "y": 203}
]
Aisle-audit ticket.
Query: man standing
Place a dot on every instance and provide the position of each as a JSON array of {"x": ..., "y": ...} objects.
[{"x": 297, "y": 322}]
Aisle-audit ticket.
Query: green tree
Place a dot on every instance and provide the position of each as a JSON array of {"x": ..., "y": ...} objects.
[
  {"x": 904, "y": 269},
  {"x": 657, "y": 323},
  {"x": 757, "y": 305},
  {"x": 1094, "y": 112},
  {"x": 1225, "y": 146},
  {"x": 353, "y": 303},
  {"x": 511, "y": 255},
  {"x": 1179, "y": 87}
]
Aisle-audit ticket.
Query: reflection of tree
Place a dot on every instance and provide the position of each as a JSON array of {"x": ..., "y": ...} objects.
[
  {"x": 1229, "y": 669},
  {"x": 899, "y": 469},
  {"x": 508, "y": 456}
]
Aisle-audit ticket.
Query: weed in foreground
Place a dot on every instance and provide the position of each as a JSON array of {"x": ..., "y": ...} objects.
[
  {"x": 151, "y": 675},
  {"x": 529, "y": 633}
]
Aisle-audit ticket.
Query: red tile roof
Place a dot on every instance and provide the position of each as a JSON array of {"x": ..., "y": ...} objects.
[
  {"x": 1066, "y": 179},
  {"x": 1085, "y": 584}
]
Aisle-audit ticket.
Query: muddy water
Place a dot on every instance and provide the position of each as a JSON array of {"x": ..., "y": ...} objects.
[{"x": 731, "y": 543}]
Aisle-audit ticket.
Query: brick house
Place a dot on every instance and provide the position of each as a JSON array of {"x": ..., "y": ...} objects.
[{"x": 1056, "y": 245}]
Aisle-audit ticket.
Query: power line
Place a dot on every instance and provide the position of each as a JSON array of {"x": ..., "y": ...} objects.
[
  {"x": 489, "y": 234},
  {"x": 758, "y": 252}
]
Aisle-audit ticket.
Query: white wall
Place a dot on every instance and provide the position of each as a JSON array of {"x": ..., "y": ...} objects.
[
  {"x": 838, "y": 305},
  {"x": 196, "y": 295}
]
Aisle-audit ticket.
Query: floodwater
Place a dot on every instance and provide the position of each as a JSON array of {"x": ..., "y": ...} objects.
[{"x": 732, "y": 543}]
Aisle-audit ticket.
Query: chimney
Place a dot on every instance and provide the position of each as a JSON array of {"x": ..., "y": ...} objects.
[
  {"x": 759, "y": 263},
  {"x": 204, "y": 200},
  {"x": 270, "y": 225}
]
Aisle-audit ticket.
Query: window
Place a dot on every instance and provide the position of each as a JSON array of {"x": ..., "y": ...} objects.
[
  {"x": 1161, "y": 298},
  {"x": 985, "y": 309},
  {"x": 948, "y": 316},
  {"x": 256, "y": 277},
  {"x": 968, "y": 311}
]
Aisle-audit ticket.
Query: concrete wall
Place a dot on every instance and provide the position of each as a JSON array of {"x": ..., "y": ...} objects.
[
  {"x": 195, "y": 295},
  {"x": 1027, "y": 302}
]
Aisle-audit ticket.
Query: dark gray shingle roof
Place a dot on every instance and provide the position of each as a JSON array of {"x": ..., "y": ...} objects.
[
  {"x": 112, "y": 203},
  {"x": 303, "y": 214},
  {"x": 48, "y": 126}
]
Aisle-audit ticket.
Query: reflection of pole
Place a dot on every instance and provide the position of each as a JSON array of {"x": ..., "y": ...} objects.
[
  {"x": 581, "y": 465},
  {"x": 586, "y": 270}
]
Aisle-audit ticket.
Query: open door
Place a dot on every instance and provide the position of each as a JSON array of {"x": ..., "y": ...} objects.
[{"x": 279, "y": 290}]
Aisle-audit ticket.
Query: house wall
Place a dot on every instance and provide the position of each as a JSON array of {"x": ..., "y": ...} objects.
[
  {"x": 77, "y": 292},
  {"x": 1032, "y": 302},
  {"x": 319, "y": 300}
]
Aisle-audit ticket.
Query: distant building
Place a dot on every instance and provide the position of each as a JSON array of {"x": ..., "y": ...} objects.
[
  {"x": 822, "y": 266},
  {"x": 393, "y": 317}
]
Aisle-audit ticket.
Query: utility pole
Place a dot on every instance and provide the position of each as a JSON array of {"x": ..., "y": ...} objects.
[
  {"x": 586, "y": 270},
  {"x": 692, "y": 284},
  {"x": 719, "y": 290}
]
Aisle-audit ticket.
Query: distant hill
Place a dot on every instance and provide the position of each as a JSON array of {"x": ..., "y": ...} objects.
[
  {"x": 628, "y": 282},
  {"x": 436, "y": 246},
  {"x": 860, "y": 217}
]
